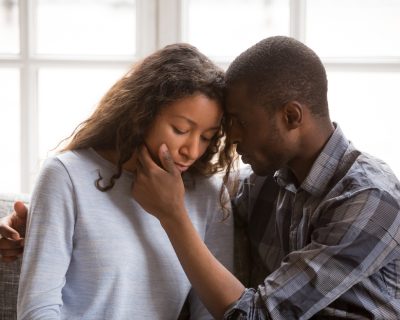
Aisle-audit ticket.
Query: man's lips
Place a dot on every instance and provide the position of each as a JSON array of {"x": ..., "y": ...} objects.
[{"x": 245, "y": 158}]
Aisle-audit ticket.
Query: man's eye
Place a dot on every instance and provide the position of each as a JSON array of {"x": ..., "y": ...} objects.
[
  {"x": 240, "y": 122},
  {"x": 205, "y": 139}
]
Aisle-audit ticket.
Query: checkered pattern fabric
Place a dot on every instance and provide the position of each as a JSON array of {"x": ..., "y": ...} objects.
[{"x": 327, "y": 249}]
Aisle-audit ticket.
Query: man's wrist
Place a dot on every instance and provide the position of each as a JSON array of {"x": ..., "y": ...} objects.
[{"x": 174, "y": 221}]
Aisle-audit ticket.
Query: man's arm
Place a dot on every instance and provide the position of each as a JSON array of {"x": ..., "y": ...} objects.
[
  {"x": 355, "y": 240},
  {"x": 218, "y": 238},
  {"x": 12, "y": 232},
  {"x": 214, "y": 284}
]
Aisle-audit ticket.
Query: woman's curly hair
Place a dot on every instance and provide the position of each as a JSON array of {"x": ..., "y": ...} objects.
[{"x": 124, "y": 115}]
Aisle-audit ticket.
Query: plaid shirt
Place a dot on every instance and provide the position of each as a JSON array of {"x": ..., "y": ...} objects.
[{"x": 328, "y": 249}]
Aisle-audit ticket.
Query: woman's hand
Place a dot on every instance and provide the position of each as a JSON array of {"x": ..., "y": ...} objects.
[{"x": 160, "y": 191}]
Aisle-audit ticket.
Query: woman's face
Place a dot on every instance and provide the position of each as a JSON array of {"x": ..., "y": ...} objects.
[{"x": 186, "y": 127}]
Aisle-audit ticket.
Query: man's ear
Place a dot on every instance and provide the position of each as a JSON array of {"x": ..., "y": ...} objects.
[{"x": 293, "y": 112}]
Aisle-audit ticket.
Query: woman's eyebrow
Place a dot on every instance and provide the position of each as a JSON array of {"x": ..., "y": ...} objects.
[{"x": 187, "y": 119}]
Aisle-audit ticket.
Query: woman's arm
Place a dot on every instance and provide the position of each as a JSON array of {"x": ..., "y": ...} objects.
[{"x": 48, "y": 244}]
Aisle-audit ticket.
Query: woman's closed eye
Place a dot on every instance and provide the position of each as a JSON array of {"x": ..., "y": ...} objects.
[{"x": 179, "y": 131}]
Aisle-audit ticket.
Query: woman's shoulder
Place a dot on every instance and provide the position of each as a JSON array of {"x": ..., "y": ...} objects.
[
  {"x": 68, "y": 162},
  {"x": 79, "y": 159}
]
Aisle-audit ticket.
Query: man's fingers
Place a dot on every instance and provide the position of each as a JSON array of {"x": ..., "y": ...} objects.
[
  {"x": 7, "y": 244},
  {"x": 166, "y": 160},
  {"x": 11, "y": 253},
  {"x": 9, "y": 233},
  {"x": 8, "y": 259},
  {"x": 145, "y": 161},
  {"x": 21, "y": 210}
]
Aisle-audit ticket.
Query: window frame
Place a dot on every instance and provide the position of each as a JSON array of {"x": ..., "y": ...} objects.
[
  {"x": 158, "y": 23},
  {"x": 28, "y": 62}
]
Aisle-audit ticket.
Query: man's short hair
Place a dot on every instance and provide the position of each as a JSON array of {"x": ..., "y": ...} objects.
[{"x": 280, "y": 69}]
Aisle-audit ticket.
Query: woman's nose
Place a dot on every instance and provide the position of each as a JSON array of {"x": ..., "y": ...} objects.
[{"x": 191, "y": 149}]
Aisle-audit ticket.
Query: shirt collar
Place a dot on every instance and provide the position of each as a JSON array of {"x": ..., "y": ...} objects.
[{"x": 323, "y": 168}]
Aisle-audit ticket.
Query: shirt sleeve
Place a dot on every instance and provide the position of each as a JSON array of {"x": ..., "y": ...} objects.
[
  {"x": 219, "y": 240},
  {"x": 356, "y": 236},
  {"x": 48, "y": 244}
]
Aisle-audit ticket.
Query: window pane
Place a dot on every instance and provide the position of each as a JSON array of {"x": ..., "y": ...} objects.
[
  {"x": 225, "y": 28},
  {"x": 9, "y": 131},
  {"x": 356, "y": 28},
  {"x": 9, "y": 42},
  {"x": 66, "y": 98},
  {"x": 86, "y": 27},
  {"x": 365, "y": 106}
]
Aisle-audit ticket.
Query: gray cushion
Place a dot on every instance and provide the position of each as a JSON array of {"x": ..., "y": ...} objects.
[{"x": 9, "y": 272}]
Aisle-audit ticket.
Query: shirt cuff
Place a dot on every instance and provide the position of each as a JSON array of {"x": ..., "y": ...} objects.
[{"x": 241, "y": 307}]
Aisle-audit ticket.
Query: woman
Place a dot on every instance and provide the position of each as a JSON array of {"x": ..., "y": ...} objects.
[{"x": 90, "y": 251}]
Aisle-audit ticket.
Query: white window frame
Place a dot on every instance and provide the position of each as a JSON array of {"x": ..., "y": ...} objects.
[
  {"x": 29, "y": 63},
  {"x": 159, "y": 22}
]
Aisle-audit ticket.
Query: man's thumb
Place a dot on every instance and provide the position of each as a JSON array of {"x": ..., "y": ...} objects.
[
  {"x": 20, "y": 210},
  {"x": 166, "y": 160}
]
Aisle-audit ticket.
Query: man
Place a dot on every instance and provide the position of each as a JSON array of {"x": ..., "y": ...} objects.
[
  {"x": 324, "y": 228},
  {"x": 322, "y": 217}
]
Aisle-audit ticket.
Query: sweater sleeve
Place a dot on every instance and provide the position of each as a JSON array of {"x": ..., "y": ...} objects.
[{"x": 48, "y": 244}]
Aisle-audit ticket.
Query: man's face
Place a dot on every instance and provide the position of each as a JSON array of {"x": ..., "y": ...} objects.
[{"x": 261, "y": 136}]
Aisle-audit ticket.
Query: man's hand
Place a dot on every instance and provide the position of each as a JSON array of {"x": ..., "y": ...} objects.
[
  {"x": 12, "y": 231},
  {"x": 160, "y": 191}
]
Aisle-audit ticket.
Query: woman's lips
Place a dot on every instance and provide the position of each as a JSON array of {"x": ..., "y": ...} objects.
[{"x": 181, "y": 167}]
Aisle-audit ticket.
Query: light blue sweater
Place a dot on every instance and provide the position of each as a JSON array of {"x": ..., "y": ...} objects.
[{"x": 98, "y": 255}]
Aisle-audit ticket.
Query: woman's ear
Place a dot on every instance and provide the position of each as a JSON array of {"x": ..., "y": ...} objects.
[{"x": 293, "y": 114}]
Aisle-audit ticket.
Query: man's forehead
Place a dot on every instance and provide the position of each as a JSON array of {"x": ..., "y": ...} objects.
[
  {"x": 237, "y": 98},
  {"x": 239, "y": 88}
]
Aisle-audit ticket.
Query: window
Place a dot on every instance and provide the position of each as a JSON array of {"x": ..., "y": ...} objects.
[
  {"x": 9, "y": 129},
  {"x": 58, "y": 57},
  {"x": 225, "y": 28},
  {"x": 356, "y": 40}
]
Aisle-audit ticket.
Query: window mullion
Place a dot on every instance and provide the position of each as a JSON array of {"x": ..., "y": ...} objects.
[
  {"x": 169, "y": 22},
  {"x": 28, "y": 97},
  {"x": 298, "y": 19},
  {"x": 146, "y": 24}
]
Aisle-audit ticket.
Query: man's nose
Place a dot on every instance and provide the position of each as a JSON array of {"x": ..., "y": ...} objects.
[{"x": 235, "y": 134}]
